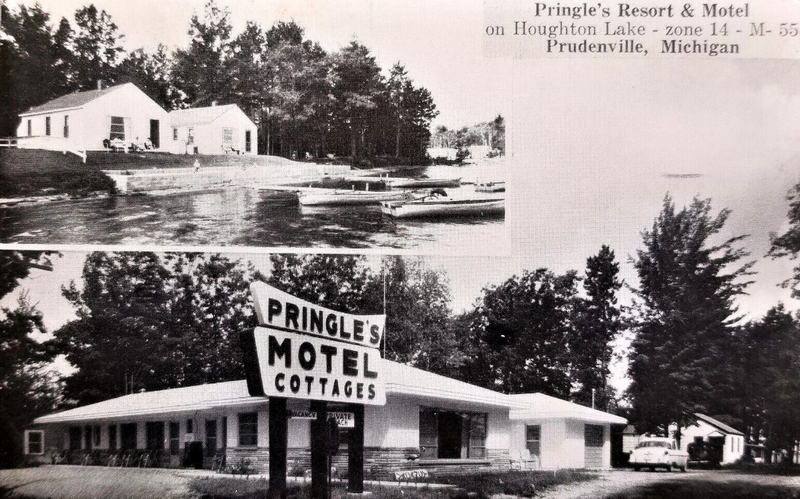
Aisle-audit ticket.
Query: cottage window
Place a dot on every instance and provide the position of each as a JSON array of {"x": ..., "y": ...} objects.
[
  {"x": 227, "y": 136},
  {"x": 248, "y": 429},
  {"x": 445, "y": 434},
  {"x": 190, "y": 135},
  {"x": 533, "y": 439},
  {"x": 174, "y": 133},
  {"x": 112, "y": 437},
  {"x": 211, "y": 436},
  {"x": 47, "y": 125},
  {"x": 189, "y": 426},
  {"x": 30, "y": 128},
  {"x": 66, "y": 126},
  {"x": 34, "y": 442},
  {"x": 117, "y": 130},
  {"x": 247, "y": 141},
  {"x": 174, "y": 437}
]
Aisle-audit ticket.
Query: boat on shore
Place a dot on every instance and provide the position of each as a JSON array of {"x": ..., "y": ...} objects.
[
  {"x": 343, "y": 198},
  {"x": 490, "y": 187},
  {"x": 443, "y": 207},
  {"x": 422, "y": 183}
]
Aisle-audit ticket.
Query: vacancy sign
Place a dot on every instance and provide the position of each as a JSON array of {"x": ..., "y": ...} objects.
[{"x": 305, "y": 351}]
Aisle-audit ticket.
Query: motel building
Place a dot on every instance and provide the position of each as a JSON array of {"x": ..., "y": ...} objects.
[
  {"x": 126, "y": 116},
  {"x": 429, "y": 422}
]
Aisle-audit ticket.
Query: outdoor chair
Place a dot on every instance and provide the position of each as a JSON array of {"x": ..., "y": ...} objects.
[
  {"x": 219, "y": 462},
  {"x": 522, "y": 460}
]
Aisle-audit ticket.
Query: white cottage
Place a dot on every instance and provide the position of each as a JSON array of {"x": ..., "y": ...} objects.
[
  {"x": 430, "y": 422},
  {"x": 726, "y": 440},
  {"x": 212, "y": 130},
  {"x": 82, "y": 121}
]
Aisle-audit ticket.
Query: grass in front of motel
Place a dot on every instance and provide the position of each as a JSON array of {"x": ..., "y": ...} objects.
[
  {"x": 480, "y": 485},
  {"x": 709, "y": 489}
]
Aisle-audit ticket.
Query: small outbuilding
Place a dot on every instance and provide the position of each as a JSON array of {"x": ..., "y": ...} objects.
[
  {"x": 430, "y": 423},
  {"x": 212, "y": 130},
  {"x": 727, "y": 441}
]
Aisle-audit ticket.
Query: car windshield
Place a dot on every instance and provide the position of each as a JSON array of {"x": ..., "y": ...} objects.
[{"x": 653, "y": 443}]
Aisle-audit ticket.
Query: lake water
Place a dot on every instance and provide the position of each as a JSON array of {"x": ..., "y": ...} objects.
[{"x": 249, "y": 217}]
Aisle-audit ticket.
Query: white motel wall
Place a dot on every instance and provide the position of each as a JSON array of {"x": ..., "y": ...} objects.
[
  {"x": 212, "y": 130},
  {"x": 429, "y": 422}
]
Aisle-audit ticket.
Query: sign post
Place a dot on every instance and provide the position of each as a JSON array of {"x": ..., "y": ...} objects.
[{"x": 305, "y": 351}]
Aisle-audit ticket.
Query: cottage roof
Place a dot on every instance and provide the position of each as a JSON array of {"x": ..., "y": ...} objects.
[
  {"x": 541, "y": 406},
  {"x": 400, "y": 379},
  {"x": 71, "y": 101},
  {"x": 717, "y": 424},
  {"x": 198, "y": 115}
]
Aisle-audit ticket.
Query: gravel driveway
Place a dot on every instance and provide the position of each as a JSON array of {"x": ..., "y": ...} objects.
[{"x": 622, "y": 481}]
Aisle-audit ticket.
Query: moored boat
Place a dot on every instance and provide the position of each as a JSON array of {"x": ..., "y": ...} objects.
[
  {"x": 439, "y": 207},
  {"x": 340, "y": 198},
  {"x": 490, "y": 187},
  {"x": 423, "y": 183}
]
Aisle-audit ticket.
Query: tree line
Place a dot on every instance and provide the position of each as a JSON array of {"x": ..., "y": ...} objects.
[
  {"x": 147, "y": 321},
  {"x": 304, "y": 100}
]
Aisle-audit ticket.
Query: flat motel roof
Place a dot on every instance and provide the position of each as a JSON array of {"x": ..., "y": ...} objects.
[{"x": 400, "y": 379}]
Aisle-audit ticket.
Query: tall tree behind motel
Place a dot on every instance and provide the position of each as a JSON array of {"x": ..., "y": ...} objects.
[
  {"x": 520, "y": 334},
  {"x": 680, "y": 358},
  {"x": 27, "y": 389},
  {"x": 147, "y": 322},
  {"x": 597, "y": 323}
]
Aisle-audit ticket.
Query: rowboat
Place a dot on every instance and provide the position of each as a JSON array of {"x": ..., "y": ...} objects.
[
  {"x": 438, "y": 207},
  {"x": 491, "y": 187},
  {"x": 423, "y": 183},
  {"x": 341, "y": 198}
]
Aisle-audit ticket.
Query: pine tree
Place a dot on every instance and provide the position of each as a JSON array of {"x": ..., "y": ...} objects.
[
  {"x": 597, "y": 324},
  {"x": 679, "y": 359}
]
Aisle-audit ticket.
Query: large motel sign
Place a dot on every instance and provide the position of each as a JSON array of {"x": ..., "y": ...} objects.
[{"x": 304, "y": 351}]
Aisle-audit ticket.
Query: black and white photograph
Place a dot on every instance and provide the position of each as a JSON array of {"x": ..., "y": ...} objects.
[
  {"x": 239, "y": 124},
  {"x": 420, "y": 249}
]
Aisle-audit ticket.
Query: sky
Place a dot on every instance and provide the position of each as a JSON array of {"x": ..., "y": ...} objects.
[{"x": 447, "y": 61}]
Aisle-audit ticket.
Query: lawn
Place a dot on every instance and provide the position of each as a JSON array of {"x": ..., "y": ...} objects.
[
  {"x": 709, "y": 489},
  {"x": 481, "y": 485}
]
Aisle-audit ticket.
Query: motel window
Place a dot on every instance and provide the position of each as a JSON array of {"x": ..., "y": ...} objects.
[
  {"x": 174, "y": 437},
  {"x": 227, "y": 136},
  {"x": 190, "y": 135},
  {"x": 95, "y": 436},
  {"x": 47, "y": 125},
  {"x": 211, "y": 436},
  {"x": 189, "y": 426},
  {"x": 30, "y": 128},
  {"x": 74, "y": 438},
  {"x": 445, "y": 434},
  {"x": 533, "y": 439},
  {"x": 248, "y": 429},
  {"x": 112, "y": 437},
  {"x": 174, "y": 133},
  {"x": 34, "y": 442},
  {"x": 247, "y": 141},
  {"x": 117, "y": 130},
  {"x": 66, "y": 126}
]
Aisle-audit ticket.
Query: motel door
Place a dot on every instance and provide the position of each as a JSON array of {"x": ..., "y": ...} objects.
[{"x": 593, "y": 446}]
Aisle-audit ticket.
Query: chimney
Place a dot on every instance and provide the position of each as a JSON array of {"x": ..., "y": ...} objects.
[
  {"x": 99, "y": 84},
  {"x": 213, "y": 103}
]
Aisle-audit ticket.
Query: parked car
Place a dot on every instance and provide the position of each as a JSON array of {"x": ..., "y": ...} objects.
[{"x": 658, "y": 452}]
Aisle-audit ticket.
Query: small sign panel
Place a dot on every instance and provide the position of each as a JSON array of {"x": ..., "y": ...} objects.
[
  {"x": 305, "y": 367},
  {"x": 280, "y": 310},
  {"x": 343, "y": 419}
]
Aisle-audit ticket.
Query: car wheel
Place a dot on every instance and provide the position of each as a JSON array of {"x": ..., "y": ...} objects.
[
  {"x": 635, "y": 468},
  {"x": 652, "y": 468}
]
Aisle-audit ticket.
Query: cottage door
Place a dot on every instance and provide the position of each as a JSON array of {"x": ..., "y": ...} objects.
[{"x": 155, "y": 133}]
